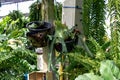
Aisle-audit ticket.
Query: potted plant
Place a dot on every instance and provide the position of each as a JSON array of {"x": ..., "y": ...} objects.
[
  {"x": 38, "y": 32},
  {"x": 64, "y": 38}
]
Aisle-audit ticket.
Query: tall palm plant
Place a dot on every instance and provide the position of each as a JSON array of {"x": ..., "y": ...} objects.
[
  {"x": 94, "y": 19},
  {"x": 114, "y": 13}
]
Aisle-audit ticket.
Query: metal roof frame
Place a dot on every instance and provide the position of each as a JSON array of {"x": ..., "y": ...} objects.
[{"x": 5, "y": 2}]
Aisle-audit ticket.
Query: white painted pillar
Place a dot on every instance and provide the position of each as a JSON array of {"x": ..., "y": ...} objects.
[
  {"x": 72, "y": 14},
  {"x": 42, "y": 62}
]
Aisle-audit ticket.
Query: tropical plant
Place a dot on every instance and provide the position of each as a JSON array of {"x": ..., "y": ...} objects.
[
  {"x": 94, "y": 19},
  {"x": 35, "y": 11},
  {"x": 58, "y": 11},
  {"x": 15, "y": 14},
  {"x": 114, "y": 14},
  {"x": 108, "y": 71},
  {"x": 60, "y": 41},
  {"x": 63, "y": 34},
  {"x": 14, "y": 57},
  {"x": 80, "y": 62},
  {"x": 8, "y": 25},
  {"x": 18, "y": 16}
]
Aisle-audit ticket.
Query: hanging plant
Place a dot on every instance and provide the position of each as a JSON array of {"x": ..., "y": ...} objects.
[
  {"x": 64, "y": 38},
  {"x": 35, "y": 11},
  {"x": 38, "y": 32}
]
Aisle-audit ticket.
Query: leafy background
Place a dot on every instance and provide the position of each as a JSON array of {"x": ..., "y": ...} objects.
[{"x": 16, "y": 59}]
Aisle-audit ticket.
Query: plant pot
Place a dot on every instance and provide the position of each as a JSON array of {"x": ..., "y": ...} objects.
[
  {"x": 38, "y": 34},
  {"x": 70, "y": 43}
]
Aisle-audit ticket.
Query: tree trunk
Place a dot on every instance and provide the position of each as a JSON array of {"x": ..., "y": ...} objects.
[
  {"x": 48, "y": 16},
  {"x": 48, "y": 10}
]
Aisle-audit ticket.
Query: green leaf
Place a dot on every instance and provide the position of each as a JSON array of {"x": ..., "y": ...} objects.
[
  {"x": 108, "y": 70},
  {"x": 82, "y": 77},
  {"x": 89, "y": 76},
  {"x": 3, "y": 37}
]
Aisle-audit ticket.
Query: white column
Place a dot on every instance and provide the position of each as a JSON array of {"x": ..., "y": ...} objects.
[
  {"x": 72, "y": 14},
  {"x": 68, "y": 13},
  {"x": 41, "y": 60}
]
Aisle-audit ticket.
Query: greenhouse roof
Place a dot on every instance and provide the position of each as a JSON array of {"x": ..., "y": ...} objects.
[{"x": 3, "y": 2}]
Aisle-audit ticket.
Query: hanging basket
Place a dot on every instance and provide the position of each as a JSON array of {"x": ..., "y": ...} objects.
[
  {"x": 38, "y": 32},
  {"x": 70, "y": 43}
]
